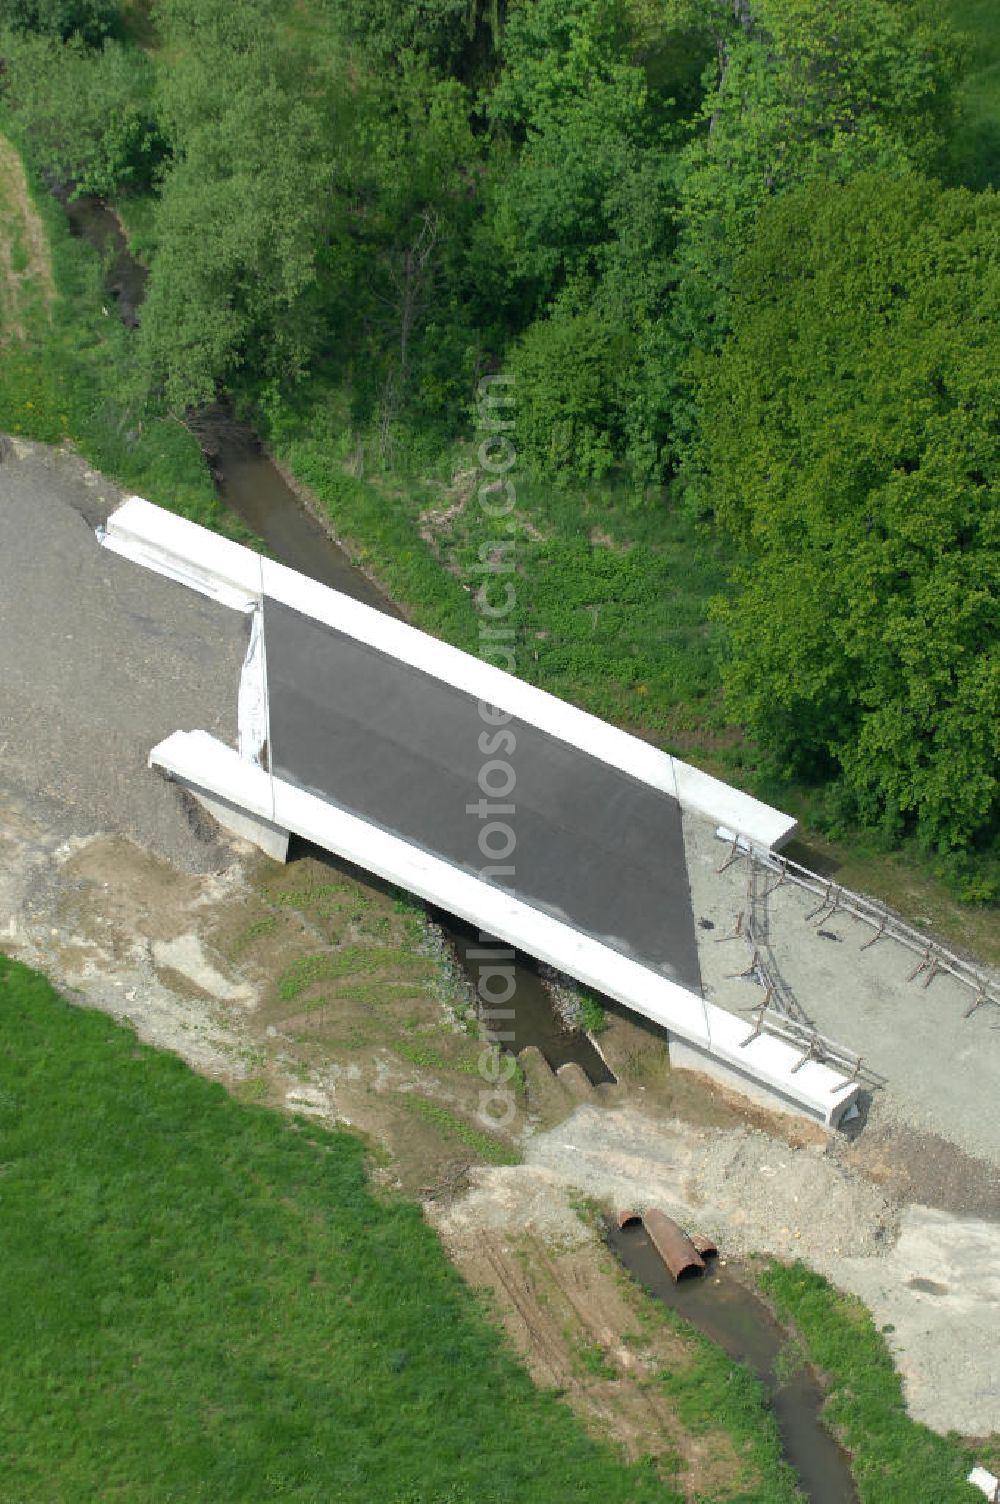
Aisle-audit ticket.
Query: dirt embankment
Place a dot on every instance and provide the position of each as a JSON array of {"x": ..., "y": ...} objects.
[
  {"x": 313, "y": 989},
  {"x": 25, "y": 271},
  {"x": 578, "y": 1323}
]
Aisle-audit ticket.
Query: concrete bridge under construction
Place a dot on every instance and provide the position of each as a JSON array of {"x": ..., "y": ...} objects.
[{"x": 547, "y": 828}]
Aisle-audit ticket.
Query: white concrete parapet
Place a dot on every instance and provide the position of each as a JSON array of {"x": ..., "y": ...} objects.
[
  {"x": 987, "y": 1483},
  {"x": 225, "y": 571},
  {"x": 208, "y": 767},
  {"x": 237, "y": 576}
]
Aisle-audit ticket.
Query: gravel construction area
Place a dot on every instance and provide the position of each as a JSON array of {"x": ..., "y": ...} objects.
[
  {"x": 930, "y": 1279},
  {"x": 99, "y": 660},
  {"x": 936, "y": 1294},
  {"x": 755, "y": 1193},
  {"x": 940, "y": 1067}
]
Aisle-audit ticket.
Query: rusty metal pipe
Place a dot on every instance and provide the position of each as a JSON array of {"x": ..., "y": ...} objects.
[
  {"x": 627, "y": 1218},
  {"x": 706, "y": 1247},
  {"x": 673, "y": 1245}
]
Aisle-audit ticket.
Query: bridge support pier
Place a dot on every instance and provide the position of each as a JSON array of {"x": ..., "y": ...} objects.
[
  {"x": 269, "y": 838},
  {"x": 685, "y": 1055}
]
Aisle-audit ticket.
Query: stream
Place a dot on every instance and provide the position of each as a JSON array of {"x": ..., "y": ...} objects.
[
  {"x": 732, "y": 1316},
  {"x": 719, "y": 1305},
  {"x": 252, "y": 487}
]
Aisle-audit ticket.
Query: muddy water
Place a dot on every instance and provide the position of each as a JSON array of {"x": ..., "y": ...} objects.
[
  {"x": 534, "y": 1019},
  {"x": 251, "y": 485},
  {"x": 738, "y": 1321},
  {"x": 124, "y": 277}
]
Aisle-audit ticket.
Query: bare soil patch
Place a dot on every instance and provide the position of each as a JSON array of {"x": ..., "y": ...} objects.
[
  {"x": 574, "y": 1319},
  {"x": 299, "y": 986},
  {"x": 926, "y": 1168},
  {"x": 25, "y": 268}
]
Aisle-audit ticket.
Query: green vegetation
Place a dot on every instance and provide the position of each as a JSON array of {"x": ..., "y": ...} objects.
[
  {"x": 884, "y": 507},
  {"x": 484, "y": 1145},
  {"x": 205, "y": 1301},
  {"x": 711, "y": 1393},
  {"x": 751, "y": 319},
  {"x": 253, "y": 933},
  {"x": 90, "y": 20},
  {"x": 894, "y": 1459},
  {"x": 593, "y": 1360},
  {"x": 74, "y": 377},
  {"x": 88, "y": 113},
  {"x": 727, "y": 482},
  {"x": 595, "y": 1020},
  {"x": 424, "y": 1055},
  {"x": 610, "y": 599},
  {"x": 378, "y": 520},
  {"x": 977, "y": 141},
  {"x": 329, "y": 965}
]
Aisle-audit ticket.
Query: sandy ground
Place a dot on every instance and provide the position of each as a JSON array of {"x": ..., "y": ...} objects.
[{"x": 306, "y": 988}]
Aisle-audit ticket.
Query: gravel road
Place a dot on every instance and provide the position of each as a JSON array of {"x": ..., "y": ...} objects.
[
  {"x": 99, "y": 660},
  {"x": 940, "y": 1068}
]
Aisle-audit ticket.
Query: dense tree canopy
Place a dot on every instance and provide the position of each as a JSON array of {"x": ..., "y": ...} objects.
[
  {"x": 91, "y": 20},
  {"x": 89, "y": 112},
  {"x": 802, "y": 90},
  {"x": 248, "y": 211},
  {"x": 454, "y": 35},
  {"x": 706, "y": 237},
  {"x": 582, "y": 210},
  {"x": 849, "y": 428}
]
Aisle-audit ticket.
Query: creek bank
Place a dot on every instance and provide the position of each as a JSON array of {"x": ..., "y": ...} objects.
[
  {"x": 951, "y": 1351},
  {"x": 755, "y": 1193},
  {"x": 730, "y": 1314},
  {"x": 252, "y": 487}
]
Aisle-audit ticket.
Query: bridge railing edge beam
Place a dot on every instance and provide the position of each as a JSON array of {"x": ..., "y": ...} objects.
[
  {"x": 236, "y": 575},
  {"x": 202, "y": 763}
]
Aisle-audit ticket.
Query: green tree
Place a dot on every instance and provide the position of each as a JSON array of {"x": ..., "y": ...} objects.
[
  {"x": 453, "y": 35},
  {"x": 91, "y": 20},
  {"x": 576, "y": 110},
  {"x": 800, "y": 90},
  {"x": 849, "y": 441},
  {"x": 415, "y": 169},
  {"x": 315, "y": 222},
  {"x": 249, "y": 213},
  {"x": 570, "y": 373},
  {"x": 87, "y": 115},
  {"x": 582, "y": 198}
]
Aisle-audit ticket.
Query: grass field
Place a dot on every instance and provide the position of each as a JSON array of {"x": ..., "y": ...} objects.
[
  {"x": 204, "y": 1300},
  {"x": 894, "y": 1459},
  {"x": 27, "y": 292}
]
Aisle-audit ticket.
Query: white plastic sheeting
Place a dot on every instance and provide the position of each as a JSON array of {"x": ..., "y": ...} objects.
[
  {"x": 252, "y": 703},
  {"x": 986, "y": 1482}
]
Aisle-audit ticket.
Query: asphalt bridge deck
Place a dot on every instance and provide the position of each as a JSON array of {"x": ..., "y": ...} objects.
[{"x": 593, "y": 846}]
